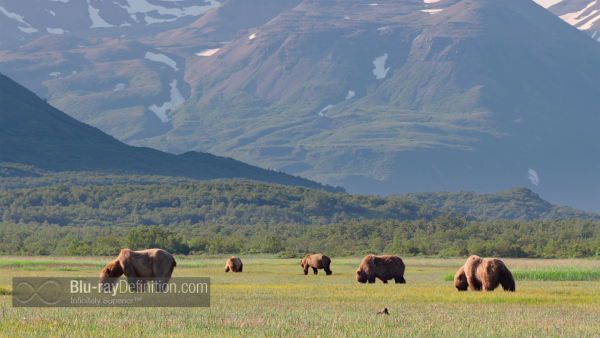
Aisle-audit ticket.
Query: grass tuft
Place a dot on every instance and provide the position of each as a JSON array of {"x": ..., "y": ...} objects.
[{"x": 448, "y": 277}]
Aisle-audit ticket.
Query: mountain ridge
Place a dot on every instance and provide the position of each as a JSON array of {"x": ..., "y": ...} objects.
[{"x": 34, "y": 133}]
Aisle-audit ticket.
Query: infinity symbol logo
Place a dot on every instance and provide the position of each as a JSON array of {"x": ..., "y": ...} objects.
[{"x": 48, "y": 292}]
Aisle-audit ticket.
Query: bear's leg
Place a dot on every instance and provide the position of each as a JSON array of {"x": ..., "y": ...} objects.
[
  {"x": 315, "y": 270},
  {"x": 327, "y": 271},
  {"x": 400, "y": 280},
  {"x": 384, "y": 281},
  {"x": 371, "y": 280},
  {"x": 241, "y": 268},
  {"x": 475, "y": 285}
]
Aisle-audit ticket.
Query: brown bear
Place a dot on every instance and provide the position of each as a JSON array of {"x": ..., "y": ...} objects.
[
  {"x": 484, "y": 274},
  {"x": 460, "y": 280},
  {"x": 318, "y": 261},
  {"x": 234, "y": 264},
  {"x": 383, "y": 267},
  {"x": 152, "y": 263}
]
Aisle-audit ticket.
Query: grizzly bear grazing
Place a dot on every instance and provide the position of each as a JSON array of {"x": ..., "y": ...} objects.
[
  {"x": 460, "y": 280},
  {"x": 318, "y": 261},
  {"x": 383, "y": 267},
  {"x": 484, "y": 274},
  {"x": 234, "y": 264},
  {"x": 152, "y": 263}
]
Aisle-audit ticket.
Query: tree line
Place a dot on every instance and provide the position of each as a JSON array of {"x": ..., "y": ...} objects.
[
  {"x": 450, "y": 236},
  {"x": 218, "y": 218}
]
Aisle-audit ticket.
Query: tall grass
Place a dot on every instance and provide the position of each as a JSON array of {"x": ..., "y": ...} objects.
[{"x": 558, "y": 275}]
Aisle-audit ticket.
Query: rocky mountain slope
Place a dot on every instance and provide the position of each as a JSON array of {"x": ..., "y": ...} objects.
[
  {"x": 34, "y": 133},
  {"x": 405, "y": 96}
]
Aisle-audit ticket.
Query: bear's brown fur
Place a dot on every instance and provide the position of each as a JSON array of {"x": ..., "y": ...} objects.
[
  {"x": 484, "y": 274},
  {"x": 151, "y": 263},
  {"x": 460, "y": 280},
  {"x": 318, "y": 261},
  {"x": 234, "y": 264},
  {"x": 383, "y": 267}
]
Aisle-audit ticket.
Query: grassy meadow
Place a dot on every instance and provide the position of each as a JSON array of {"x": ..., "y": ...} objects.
[{"x": 273, "y": 298}]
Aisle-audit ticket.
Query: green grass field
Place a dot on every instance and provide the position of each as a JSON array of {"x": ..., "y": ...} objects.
[{"x": 273, "y": 298}]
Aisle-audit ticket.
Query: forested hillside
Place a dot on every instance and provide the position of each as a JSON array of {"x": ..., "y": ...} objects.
[
  {"x": 515, "y": 204},
  {"x": 261, "y": 218},
  {"x": 202, "y": 203}
]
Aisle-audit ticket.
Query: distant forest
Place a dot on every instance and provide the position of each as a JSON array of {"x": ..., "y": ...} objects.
[
  {"x": 516, "y": 204},
  {"x": 218, "y": 218}
]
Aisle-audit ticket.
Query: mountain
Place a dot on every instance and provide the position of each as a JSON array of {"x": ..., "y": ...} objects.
[
  {"x": 582, "y": 14},
  {"x": 23, "y": 22},
  {"x": 34, "y": 133},
  {"x": 379, "y": 97},
  {"x": 405, "y": 96},
  {"x": 124, "y": 80},
  {"x": 514, "y": 204}
]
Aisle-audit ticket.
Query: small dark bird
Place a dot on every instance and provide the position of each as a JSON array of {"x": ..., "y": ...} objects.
[{"x": 383, "y": 312}]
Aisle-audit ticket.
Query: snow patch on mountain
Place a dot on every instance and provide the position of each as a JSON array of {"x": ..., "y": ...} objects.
[
  {"x": 176, "y": 100},
  {"x": 322, "y": 112},
  {"x": 162, "y": 58},
  {"x": 143, "y": 6},
  {"x": 575, "y": 18},
  {"x": 590, "y": 23},
  {"x": 415, "y": 39},
  {"x": 533, "y": 177},
  {"x": 14, "y": 16},
  {"x": 350, "y": 95},
  {"x": 97, "y": 21},
  {"x": 547, "y": 3},
  {"x": 431, "y": 11},
  {"x": 19, "y": 18},
  {"x": 208, "y": 52},
  {"x": 28, "y": 30},
  {"x": 56, "y": 30},
  {"x": 380, "y": 71},
  {"x": 262, "y": 138}
]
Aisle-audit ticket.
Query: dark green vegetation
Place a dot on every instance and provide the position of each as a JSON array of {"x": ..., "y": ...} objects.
[
  {"x": 515, "y": 204},
  {"x": 254, "y": 218},
  {"x": 20, "y": 176},
  {"x": 33, "y": 133}
]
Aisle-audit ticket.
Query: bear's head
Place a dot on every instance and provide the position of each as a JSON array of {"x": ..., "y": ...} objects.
[
  {"x": 109, "y": 275},
  {"x": 460, "y": 280},
  {"x": 304, "y": 265},
  {"x": 361, "y": 276}
]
